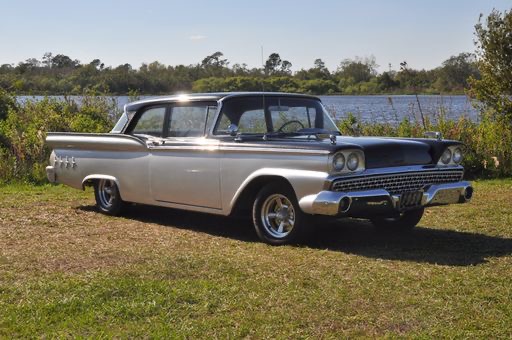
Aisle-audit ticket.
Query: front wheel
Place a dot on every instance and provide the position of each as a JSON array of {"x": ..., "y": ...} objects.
[
  {"x": 277, "y": 216},
  {"x": 107, "y": 197},
  {"x": 404, "y": 221}
]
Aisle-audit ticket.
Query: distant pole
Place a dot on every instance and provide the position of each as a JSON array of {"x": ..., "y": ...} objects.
[
  {"x": 403, "y": 67},
  {"x": 264, "y": 70}
]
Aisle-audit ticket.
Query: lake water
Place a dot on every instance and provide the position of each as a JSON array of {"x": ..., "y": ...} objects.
[
  {"x": 370, "y": 108},
  {"x": 395, "y": 108}
]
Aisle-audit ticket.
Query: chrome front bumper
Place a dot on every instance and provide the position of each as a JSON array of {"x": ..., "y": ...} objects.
[{"x": 380, "y": 202}]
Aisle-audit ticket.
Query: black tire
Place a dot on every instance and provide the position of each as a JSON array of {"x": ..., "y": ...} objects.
[
  {"x": 277, "y": 217},
  {"x": 403, "y": 222},
  {"x": 108, "y": 199}
]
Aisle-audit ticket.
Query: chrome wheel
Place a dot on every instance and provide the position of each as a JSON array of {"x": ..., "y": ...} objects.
[
  {"x": 278, "y": 216},
  {"x": 107, "y": 193}
]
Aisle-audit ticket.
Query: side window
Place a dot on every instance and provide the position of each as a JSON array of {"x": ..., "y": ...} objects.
[
  {"x": 212, "y": 110},
  {"x": 151, "y": 122},
  {"x": 252, "y": 122},
  {"x": 189, "y": 121}
]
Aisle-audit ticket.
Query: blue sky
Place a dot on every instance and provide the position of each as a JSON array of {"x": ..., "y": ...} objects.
[{"x": 424, "y": 33}]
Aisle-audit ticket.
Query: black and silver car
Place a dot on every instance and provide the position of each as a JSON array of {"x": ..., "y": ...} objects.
[{"x": 277, "y": 156}]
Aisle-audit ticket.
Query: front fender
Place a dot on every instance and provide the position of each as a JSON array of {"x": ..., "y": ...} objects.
[{"x": 303, "y": 182}]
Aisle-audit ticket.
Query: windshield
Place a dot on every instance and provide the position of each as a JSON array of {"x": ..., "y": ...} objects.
[{"x": 261, "y": 115}]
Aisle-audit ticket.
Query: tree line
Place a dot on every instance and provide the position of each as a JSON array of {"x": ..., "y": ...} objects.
[{"x": 60, "y": 74}]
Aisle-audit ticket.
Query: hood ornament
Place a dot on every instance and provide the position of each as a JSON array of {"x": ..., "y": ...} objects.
[{"x": 434, "y": 134}]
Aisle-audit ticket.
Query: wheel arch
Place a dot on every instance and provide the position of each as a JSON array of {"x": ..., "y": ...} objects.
[
  {"x": 301, "y": 182},
  {"x": 244, "y": 199},
  {"x": 91, "y": 179}
]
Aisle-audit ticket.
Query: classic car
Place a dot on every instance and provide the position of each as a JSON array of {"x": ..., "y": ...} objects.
[{"x": 277, "y": 156}]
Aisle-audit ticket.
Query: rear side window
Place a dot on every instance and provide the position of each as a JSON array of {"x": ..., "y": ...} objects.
[
  {"x": 151, "y": 122},
  {"x": 190, "y": 120}
]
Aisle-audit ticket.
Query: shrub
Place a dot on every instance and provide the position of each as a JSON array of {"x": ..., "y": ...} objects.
[
  {"x": 488, "y": 144},
  {"x": 23, "y": 153}
]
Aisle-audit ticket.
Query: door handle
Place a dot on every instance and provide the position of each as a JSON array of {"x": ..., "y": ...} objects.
[{"x": 158, "y": 142}]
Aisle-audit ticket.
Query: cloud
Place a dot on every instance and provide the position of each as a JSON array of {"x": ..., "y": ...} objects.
[{"x": 197, "y": 37}]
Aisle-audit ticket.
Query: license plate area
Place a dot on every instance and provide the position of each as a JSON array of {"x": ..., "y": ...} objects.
[{"x": 410, "y": 200}]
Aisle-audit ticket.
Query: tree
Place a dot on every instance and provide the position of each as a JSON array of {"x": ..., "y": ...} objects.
[
  {"x": 386, "y": 81},
  {"x": 359, "y": 69},
  {"x": 98, "y": 64},
  {"x": 47, "y": 59},
  {"x": 273, "y": 63},
  {"x": 215, "y": 64},
  {"x": 286, "y": 67},
  {"x": 456, "y": 71},
  {"x": 63, "y": 61},
  {"x": 319, "y": 64},
  {"x": 494, "y": 60},
  {"x": 276, "y": 66},
  {"x": 215, "y": 60}
]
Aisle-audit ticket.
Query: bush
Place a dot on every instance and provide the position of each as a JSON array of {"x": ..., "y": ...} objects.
[
  {"x": 23, "y": 153},
  {"x": 488, "y": 144}
]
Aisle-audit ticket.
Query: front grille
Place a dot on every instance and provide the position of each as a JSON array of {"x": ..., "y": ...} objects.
[{"x": 399, "y": 182}]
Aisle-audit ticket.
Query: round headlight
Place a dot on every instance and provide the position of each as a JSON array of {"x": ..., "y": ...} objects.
[
  {"x": 457, "y": 155},
  {"x": 446, "y": 157},
  {"x": 352, "y": 162},
  {"x": 338, "y": 162}
]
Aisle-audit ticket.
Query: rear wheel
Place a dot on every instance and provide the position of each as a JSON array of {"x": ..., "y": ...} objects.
[
  {"x": 107, "y": 197},
  {"x": 404, "y": 221},
  {"x": 277, "y": 216}
]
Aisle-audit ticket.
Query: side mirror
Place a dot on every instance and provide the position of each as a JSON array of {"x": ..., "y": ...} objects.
[{"x": 232, "y": 129}]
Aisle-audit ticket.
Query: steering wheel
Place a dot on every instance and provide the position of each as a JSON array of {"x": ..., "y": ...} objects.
[{"x": 290, "y": 122}]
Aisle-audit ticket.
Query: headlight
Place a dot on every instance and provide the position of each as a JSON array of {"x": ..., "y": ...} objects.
[
  {"x": 352, "y": 162},
  {"x": 446, "y": 156},
  {"x": 338, "y": 163},
  {"x": 457, "y": 155}
]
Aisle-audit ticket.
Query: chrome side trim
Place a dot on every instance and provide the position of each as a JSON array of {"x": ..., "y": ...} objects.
[
  {"x": 246, "y": 149},
  {"x": 94, "y": 141},
  {"x": 370, "y": 203}
]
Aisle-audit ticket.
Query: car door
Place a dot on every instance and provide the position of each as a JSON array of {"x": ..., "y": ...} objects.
[{"x": 185, "y": 166}]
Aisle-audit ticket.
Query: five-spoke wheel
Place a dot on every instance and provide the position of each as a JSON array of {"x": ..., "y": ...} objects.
[
  {"x": 277, "y": 216},
  {"x": 107, "y": 197}
]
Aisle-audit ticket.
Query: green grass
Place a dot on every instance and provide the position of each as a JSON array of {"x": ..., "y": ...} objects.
[{"x": 68, "y": 271}]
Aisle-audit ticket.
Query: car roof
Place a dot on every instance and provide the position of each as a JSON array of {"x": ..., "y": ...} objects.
[{"x": 134, "y": 106}]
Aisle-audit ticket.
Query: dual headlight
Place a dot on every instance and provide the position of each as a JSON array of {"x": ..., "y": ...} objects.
[
  {"x": 452, "y": 155},
  {"x": 345, "y": 161}
]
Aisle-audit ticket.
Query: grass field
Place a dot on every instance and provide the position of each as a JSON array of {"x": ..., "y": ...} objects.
[{"x": 68, "y": 271}]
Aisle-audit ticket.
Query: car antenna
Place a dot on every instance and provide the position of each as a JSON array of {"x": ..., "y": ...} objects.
[{"x": 263, "y": 88}]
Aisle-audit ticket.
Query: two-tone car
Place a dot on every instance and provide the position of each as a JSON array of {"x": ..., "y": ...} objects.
[{"x": 278, "y": 157}]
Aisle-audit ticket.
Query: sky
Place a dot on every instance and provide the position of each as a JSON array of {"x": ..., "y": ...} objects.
[{"x": 423, "y": 33}]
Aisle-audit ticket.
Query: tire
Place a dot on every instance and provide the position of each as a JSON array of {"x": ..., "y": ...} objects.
[
  {"x": 277, "y": 217},
  {"x": 403, "y": 222},
  {"x": 108, "y": 199}
]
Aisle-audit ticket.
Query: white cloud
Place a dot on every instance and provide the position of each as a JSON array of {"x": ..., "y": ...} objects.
[{"x": 197, "y": 37}]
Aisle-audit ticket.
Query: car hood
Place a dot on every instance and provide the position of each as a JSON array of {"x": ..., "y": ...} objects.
[{"x": 389, "y": 152}]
